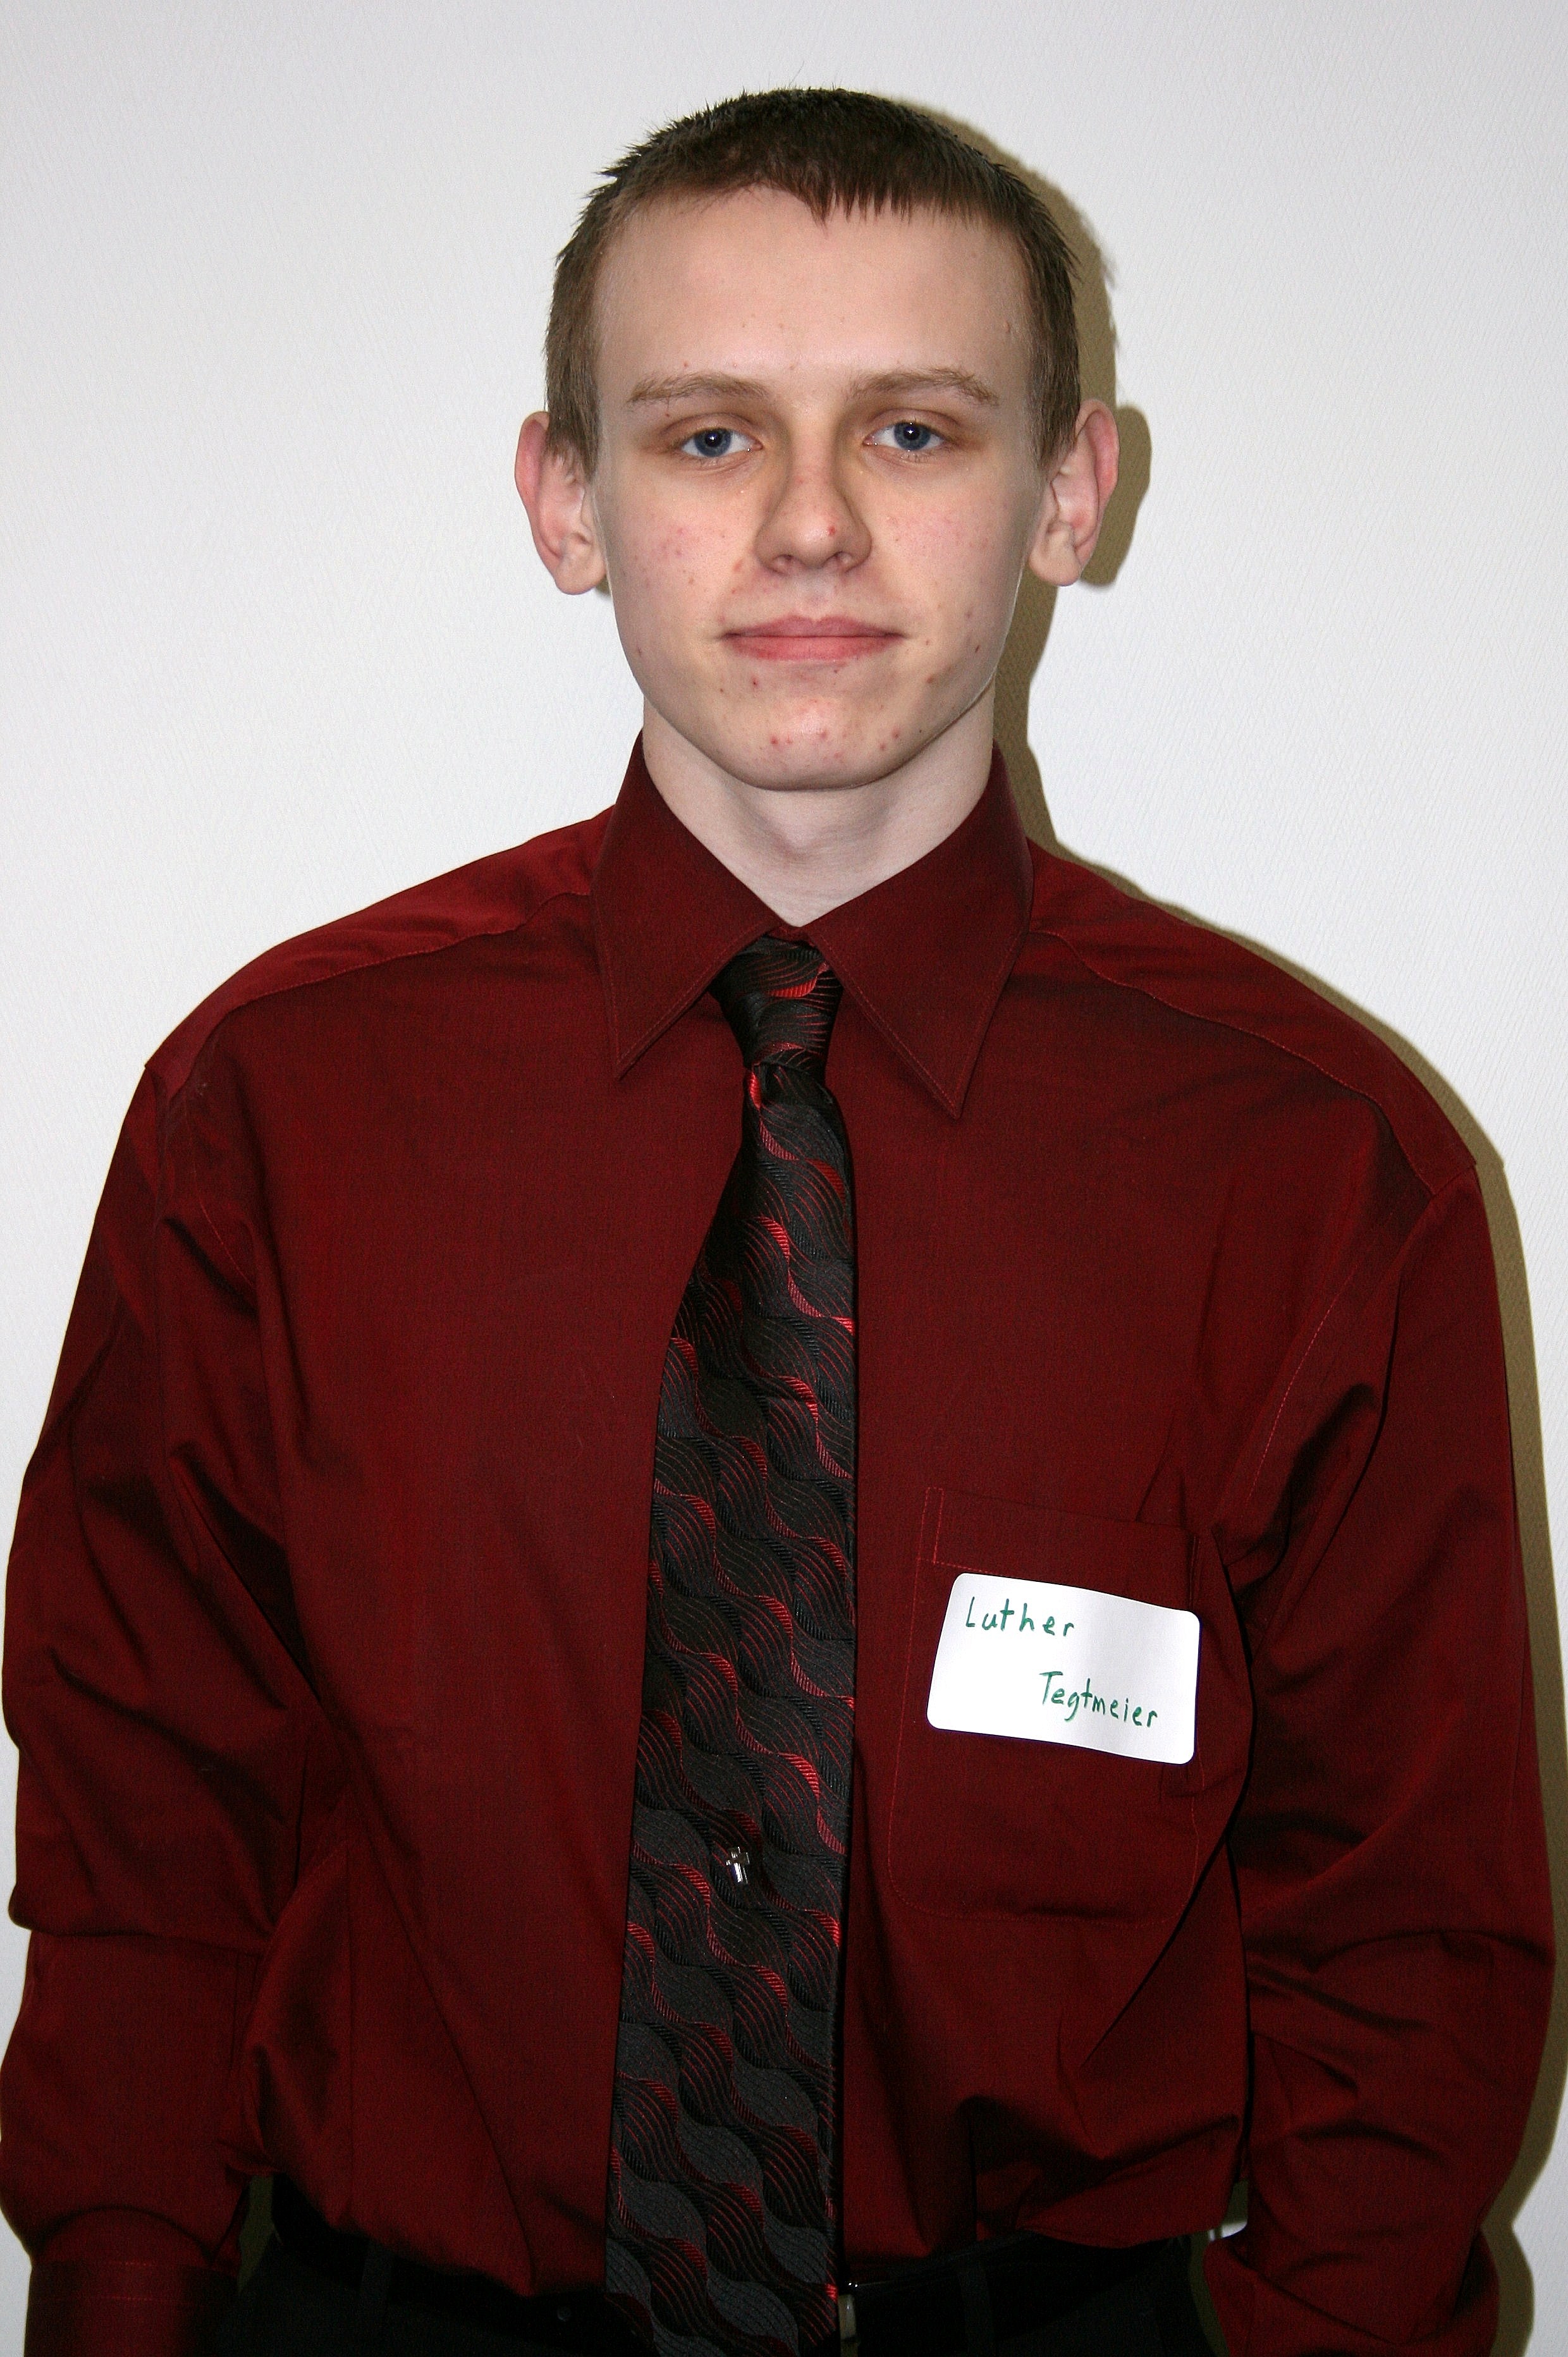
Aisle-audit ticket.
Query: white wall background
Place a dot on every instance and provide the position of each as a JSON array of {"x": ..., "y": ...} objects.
[{"x": 274, "y": 279}]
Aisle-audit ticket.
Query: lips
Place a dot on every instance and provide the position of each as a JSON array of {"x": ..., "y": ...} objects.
[{"x": 809, "y": 638}]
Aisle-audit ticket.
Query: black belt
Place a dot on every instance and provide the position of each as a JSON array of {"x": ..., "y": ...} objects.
[{"x": 1022, "y": 2292}]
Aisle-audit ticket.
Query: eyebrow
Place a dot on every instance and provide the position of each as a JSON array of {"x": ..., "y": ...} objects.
[{"x": 663, "y": 391}]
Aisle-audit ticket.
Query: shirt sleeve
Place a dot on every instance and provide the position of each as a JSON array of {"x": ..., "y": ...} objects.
[
  {"x": 1389, "y": 1853},
  {"x": 166, "y": 1735}
]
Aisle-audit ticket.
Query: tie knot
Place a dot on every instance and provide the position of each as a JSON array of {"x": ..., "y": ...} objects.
[{"x": 779, "y": 999}]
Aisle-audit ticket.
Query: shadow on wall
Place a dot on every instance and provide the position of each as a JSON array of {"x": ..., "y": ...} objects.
[{"x": 1026, "y": 646}]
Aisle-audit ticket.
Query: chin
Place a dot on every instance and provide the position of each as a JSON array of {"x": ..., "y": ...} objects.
[
  {"x": 800, "y": 767},
  {"x": 792, "y": 752}
]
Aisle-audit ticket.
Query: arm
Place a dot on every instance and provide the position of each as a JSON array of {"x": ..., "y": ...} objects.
[
  {"x": 171, "y": 1752},
  {"x": 1389, "y": 1852}
]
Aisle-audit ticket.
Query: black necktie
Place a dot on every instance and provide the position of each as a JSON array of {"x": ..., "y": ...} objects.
[{"x": 722, "y": 2221}]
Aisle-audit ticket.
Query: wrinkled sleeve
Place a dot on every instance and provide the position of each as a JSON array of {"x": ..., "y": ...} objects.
[
  {"x": 1389, "y": 1853},
  {"x": 165, "y": 1734}
]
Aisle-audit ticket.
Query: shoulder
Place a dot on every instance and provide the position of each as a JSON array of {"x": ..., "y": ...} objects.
[
  {"x": 1201, "y": 977},
  {"x": 502, "y": 893}
]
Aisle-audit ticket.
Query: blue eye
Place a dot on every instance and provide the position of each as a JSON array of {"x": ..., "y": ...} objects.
[
  {"x": 713, "y": 442},
  {"x": 907, "y": 435}
]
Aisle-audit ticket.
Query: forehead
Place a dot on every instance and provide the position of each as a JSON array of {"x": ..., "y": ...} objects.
[{"x": 753, "y": 284}]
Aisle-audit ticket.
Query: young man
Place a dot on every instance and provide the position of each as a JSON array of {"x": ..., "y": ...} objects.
[{"x": 772, "y": 1594}]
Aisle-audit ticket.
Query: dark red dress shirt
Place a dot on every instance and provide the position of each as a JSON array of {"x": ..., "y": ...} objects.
[{"x": 326, "y": 1623}]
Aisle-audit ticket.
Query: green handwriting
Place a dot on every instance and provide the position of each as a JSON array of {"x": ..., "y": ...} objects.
[
  {"x": 1071, "y": 1700},
  {"x": 1047, "y": 1626}
]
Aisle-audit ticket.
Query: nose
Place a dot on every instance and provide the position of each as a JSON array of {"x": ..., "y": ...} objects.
[{"x": 813, "y": 523}]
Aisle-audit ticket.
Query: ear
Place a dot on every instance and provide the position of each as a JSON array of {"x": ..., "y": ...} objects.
[
  {"x": 554, "y": 490},
  {"x": 1077, "y": 496}
]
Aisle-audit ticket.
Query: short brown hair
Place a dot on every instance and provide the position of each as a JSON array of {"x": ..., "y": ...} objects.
[{"x": 836, "y": 150}]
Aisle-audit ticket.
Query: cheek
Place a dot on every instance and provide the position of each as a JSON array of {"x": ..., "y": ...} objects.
[
  {"x": 676, "y": 566},
  {"x": 967, "y": 571},
  {"x": 967, "y": 557}
]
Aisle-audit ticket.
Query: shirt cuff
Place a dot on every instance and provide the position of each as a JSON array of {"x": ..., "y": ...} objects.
[
  {"x": 124, "y": 2308},
  {"x": 1259, "y": 2319}
]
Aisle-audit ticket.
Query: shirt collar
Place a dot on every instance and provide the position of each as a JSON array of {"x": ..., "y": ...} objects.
[{"x": 924, "y": 954}]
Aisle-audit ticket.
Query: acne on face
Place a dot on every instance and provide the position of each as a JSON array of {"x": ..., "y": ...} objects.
[{"x": 797, "y": 350}]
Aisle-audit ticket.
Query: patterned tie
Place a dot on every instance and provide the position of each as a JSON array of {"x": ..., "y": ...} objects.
[{"x": 722, "y": 2219}]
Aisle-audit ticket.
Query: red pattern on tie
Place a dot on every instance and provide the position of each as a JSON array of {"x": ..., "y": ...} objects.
[{"x": 721, "y": 2222}]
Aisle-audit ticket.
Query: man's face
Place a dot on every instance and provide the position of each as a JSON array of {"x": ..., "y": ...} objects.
[{"x": 819, "y": 479}]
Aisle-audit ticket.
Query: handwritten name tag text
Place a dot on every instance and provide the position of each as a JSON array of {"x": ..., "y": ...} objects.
[{"x": 1074, "y": 1665}]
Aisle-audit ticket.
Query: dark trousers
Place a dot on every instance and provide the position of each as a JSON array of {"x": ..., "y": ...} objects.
[{"x": 288, "y": 2309}]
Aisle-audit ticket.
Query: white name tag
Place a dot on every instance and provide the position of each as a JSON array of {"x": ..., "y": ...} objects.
[{"x": 1066, "y": 1665}]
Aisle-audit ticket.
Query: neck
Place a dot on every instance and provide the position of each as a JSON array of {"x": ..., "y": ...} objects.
[{"x": 804, "y": 849}]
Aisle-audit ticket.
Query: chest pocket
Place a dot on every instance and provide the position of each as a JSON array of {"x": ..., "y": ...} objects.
[{"x": 1002, "y": 1824}]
